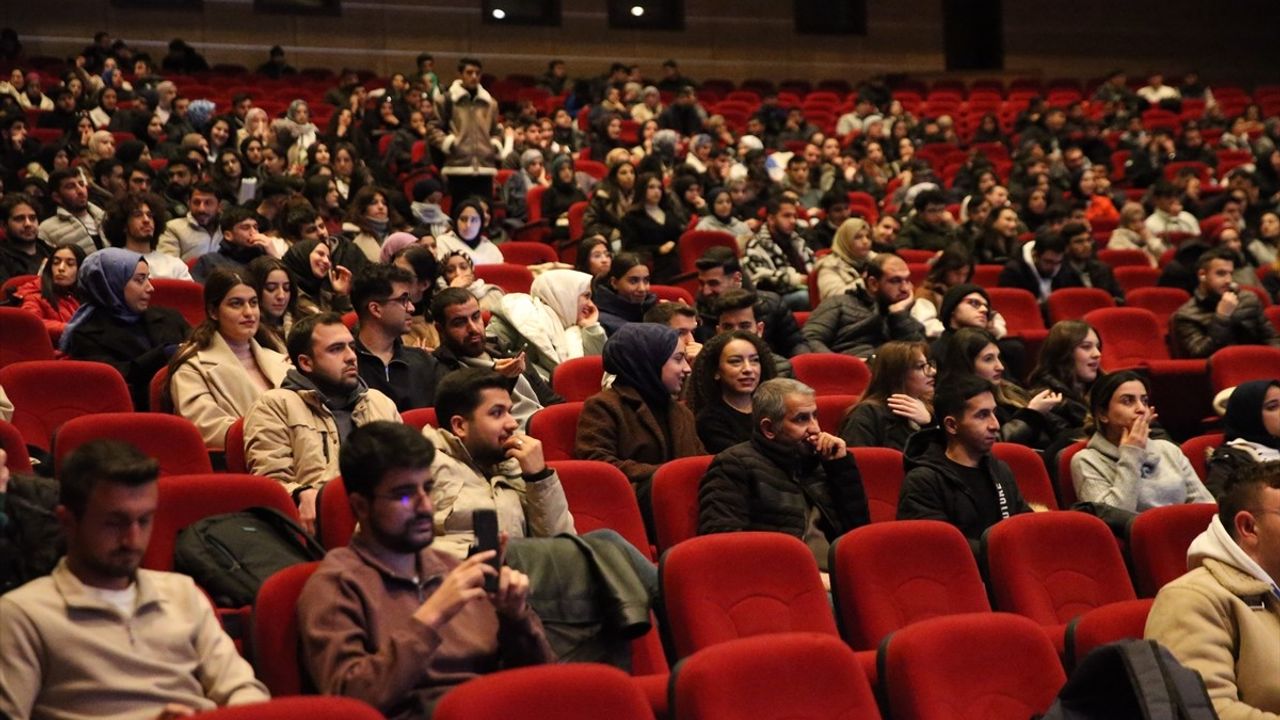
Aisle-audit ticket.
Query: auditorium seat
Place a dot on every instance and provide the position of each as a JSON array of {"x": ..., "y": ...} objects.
[
  {"x": 23, "y": 337},
  {"x": 1158, "y": 541},
  {"x": 510, "y": 277},
  {"x": 1072, "y": 303},
  {"x": 1029, "y": 472},
  {"x": 600, "y": 496},
  {"x": 182, "y": 295},
  {"x": 47, "y": 393},
  {"x": 318, "y": 707},
  {"x": 832, "y": 409},
  {"x": 1125, "y": 620},
  {"x": 1233, "y": 365},
  {"x": 694, "y": 244},
  {"x": 577, "y": 379},
  {"x": 419, "y": 418},
  {"x": 1163, "y": 302},
  {"x": 832, "y": 373},
  {"x": 573, "y": 691},
  {"x": 529, "y": 253},
  {"x": 881, "y": 471},
  {"x": 672, "y": 293},
  {"x": 17, "y": 459},
  {"x": 675, "y": 499},
  {"x": 1197, "y": 450},
  {"x": 173, "y": 441},
  {"x": 276, "y": 640},
  {"x": 556, "y": 426},
  {"x": 335, "y": 522}
]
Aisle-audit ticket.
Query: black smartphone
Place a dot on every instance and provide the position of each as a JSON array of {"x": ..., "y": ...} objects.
[{"x": 485, "y": 524}]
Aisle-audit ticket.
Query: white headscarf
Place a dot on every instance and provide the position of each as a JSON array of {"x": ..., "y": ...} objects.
[{"x": 559, "y": 290}]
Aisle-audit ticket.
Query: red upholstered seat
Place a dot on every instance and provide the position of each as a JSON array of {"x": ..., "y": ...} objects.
[
  {"x": 832, "y": 409},
  {"x": 882, "y": 471},
  {"x": 675, "y": 499},
  {"x": 1029, "y": 472},
  {"x": 47, "y": 393},
  {"x": 573, "y": 691},
  {"x": 182, "y": 295},
  {"x": 1163, "y": 302},
  {"x": 773, "y": 677},
  {"x": 1233, "y": 365},
  {"x": 1073, "y": 303},
  {"x": 17, "y": 459},
  {"x": 832, "y": 373},
  {"x": 318, "y": 707},
  {"x": 1158, "y": 542},
  {"x": 173, "y": 441},
  {"x": 577, "y": 379},
  {"x": 420, "y": 417},
  {"x": 275, "y": 631},
  {"x": 23, "y": 337},
  {"x": 335, "y": 523},
  {"x": 886, "y": 576},
  {"x": 510, "y": 277},
  {"x": 529, "y": 253},
  {"x": 1197, "y": 450},
  {"x": 695, "y": 243},
  {"x": 557, "y": 427},
  {"x": 1110, "y": 623},
  {"x": 600, "y": 496},
  {"x": 672, "y": 293}
]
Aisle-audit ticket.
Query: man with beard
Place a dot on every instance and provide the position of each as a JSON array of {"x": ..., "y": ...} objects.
[
  {"x": 1218, "y": 314},
  {"x": 862, "y": 319},
  {"x": 100, "y": 637},
  {"x": 21, "y": 252},
  {"x": 77, "y": 220},
  {"x": 1042, "y": 267},
  {"x": 293, "y": 432},
  {"x": 196, "y": 233},
  {"x": 240, "y": 245},
  {"x": 389, "y": 619},
  {"x": 133, "y": 223}
]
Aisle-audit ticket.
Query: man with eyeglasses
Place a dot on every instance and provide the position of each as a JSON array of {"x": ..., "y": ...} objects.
[
  {"x": 862, "y": 319},
  {"x": 1222, "y": 619},
  {"x": 407, "y": 375},
  {"x": 391, "y": 619}
]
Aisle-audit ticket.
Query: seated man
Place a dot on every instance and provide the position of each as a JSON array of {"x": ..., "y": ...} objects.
[
  {"x": 293, "y": 433},
  {"x": 407, "y": 375},
  {"x": 484, "y": 461},
  {"x": 719, "y": 272},
  {"x": 930, "y": 227},
  {"x": 951, "y": 474},
  {"x": 460, "y": 324},
  {"x": 738, "y": 309},
  {"x": 1042, "y": 267},
  {"x": 777, "y": 257},
  {"x": 1080, "y": 258},
  {"x": 859, "y": 320},
  {"x": 240, "y": 244},
  {"x": 1218, "y": 314},
  {"x": 790, "y": 477},
  {"x": 196, "y": 233},
  {"x": 389, "y": 620},
  {"x": 681, "y": 318},
  {"x": 102, "y": 638},
  {"x": 1222, "y": 619}
]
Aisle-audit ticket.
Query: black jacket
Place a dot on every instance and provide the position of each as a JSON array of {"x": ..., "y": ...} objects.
[
  {"x": 31, "y": 539},
  {"x": 873, "y": 424},
  {"x": 781, "y": 331},
  {"x": 1099, "y": 275},
  {"x": 449, "y": 362},
  {"x": 720, "y": 427},
  {"x": 138, "y": 353},
  {"x": 616, "y": 312},
  {"x": 931, "y": 490},
  {"x": 853, "y": 323},
  {"x": 758, "y": 485},
  {"x": 14, "y": 262},
  {"x": 410, "y": 380},
  {"x": 1017, "y": 273},
  {"x": 641, "y": 234}
]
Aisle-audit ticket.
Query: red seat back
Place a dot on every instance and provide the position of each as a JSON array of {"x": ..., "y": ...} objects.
[
  {"x": 773, "y": 677},
  {"x": 528, "y": 253},
  {"x": 572, "y": 691},
  {"x": 47, "y": 393},
  {"x": 182, "y": 295},
  {"x": 22, "y": 337},
  {"x": 882, "y": 472},
  {"x": 1197, "y": 450},
  {"x": 1110, "y": 623},
  {"x": 1073, "y": 303},
  {"x": 992, "y": 666},
  {"x": 1233, "y": 365},
  {"x": 335, "y": 523},
  {"x": 510, "y": 277},
  {"x": 1125, "y": 258},
  {"x": 886, "y": 576},
  {"x": 1054, "y": 566},
  {"x": 1163, "y": 302},
  {"x": 276, "y": 640},
  {"x": 1158, "y": 542},
  {"x": 316, "y": 707},
  {"x": 832, "y": 409},
  {"x": 600, "y": 496},
  {"x": 17, "y": 459},
  {"x": 577, "y": 379},
  {"x": 987, "y": 276},
  {"x": 1020, "y": 309},
  {"x": 733, "y": 585},
  {"x": 1066, "y": 487},
  {"x": 1130, "y": 337},
  {"x": 234, "y": 450},
  {"x": 1132, "y": 277},
  {"x": 185, "y": 499},
  {"x": 695, "y": 243},
  {"x": 173, "y": 441},
  {"x": 557, "y": 427},
  {"x": 831, "y": 373},
  {"x": 675, "y": 499},
  {"x": 1029, "y": 472},
  {"x": 672, "y": 293},
  {"x": 420, "y": 418}
]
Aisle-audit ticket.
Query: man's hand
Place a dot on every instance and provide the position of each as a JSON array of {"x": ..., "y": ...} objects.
[
  {"x": 903, "y": 305},
  {"x": 307, "y": 508},
  {"x": 828, "y": 446},
  {"x": 691, "y": 350},
  {"x": 527, "y": 451},
  {"x": 464, "y": 584},
  {"x": 910, "y": 408},
  {"x": 1227, "y": 304},
  {"x": 510, "y": 367},
  {"x": 513, "y": 593}
]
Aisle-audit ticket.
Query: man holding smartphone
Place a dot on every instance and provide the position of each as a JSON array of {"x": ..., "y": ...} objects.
[
  {"x": 389, "y": 619},
  {"x": 1219, "y": 314},
  {"x": 790, "y": 477}
]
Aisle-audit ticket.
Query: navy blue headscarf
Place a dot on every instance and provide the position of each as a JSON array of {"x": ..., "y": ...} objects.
[{"x": 636, "y": 354}]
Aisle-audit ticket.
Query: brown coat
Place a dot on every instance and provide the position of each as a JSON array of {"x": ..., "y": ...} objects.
[{"x": 617, "y": 427}]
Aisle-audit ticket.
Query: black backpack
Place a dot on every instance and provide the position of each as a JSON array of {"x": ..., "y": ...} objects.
[
  {"x": 231, "y": 555},
  {"x": 1132, "y": 680}
]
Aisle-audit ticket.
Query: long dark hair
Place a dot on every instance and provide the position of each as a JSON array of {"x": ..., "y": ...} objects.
[
  {"x": 257, "y": 272},
  {"x": 216, "y": 286},
  {"x": 48, "y": 290},
  {"x": 958, "y": 359},
  {"x": 889, "y": 369},
  {"x": 704, "y": 389},
  {"x": 1056, "y": 365}
]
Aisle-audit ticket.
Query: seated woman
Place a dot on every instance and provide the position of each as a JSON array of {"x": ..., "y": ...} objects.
[
  {"x": 218, "y": 374},
  {"x": 652, "y": 229},
  {"x": 898, "y": 401},
  {"x": 277, "y": 302},
  {"x": 841, "y": 269},
  {"x": 623, "y": 295},
  {"x": 998, "y": 242},
  {"x": 563, "y": 193},
  {"x": 594, "y": 257},
  {"x": 1068, "y": 365},
  {"x": 1123, "y": 466},
  {"x": 466, "y": 236},
  {"x": 725, "y": 376},
  {"x": 370, "y": 219},
  {"x": 1250, "y": 433},
  {"x": 1024, "y": 419},
  {"x": 117, "y": 325},
  {"x": 969, "y": 306},
  {"x": 457, "y": 270},
  {"x": 637, "y": 425},
  {"x": 555, "y": 322},
  {"x": 720, "y": 216},
  {"x": 320, "y": 285},
  {"x": 1132, "y": 233},
  {"x": 420, "y": 261},
  {"x": 610, "y": 202},
  {"x": 54, "y": 297}
]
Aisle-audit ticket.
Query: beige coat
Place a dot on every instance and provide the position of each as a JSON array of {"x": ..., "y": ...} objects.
[
  {"x": 212, "y": 389},
  {"x": 1225, "y": 625},
  {"x": 525, "y": 509},
  {"x": 289, "y": 435},
  {"x": 835, "y": 276}
]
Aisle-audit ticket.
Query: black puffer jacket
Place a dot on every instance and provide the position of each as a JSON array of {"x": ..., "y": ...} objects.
[
  {"x": 852, "y": 323},
  {"x": 931, "y": 491},
  {"x": 758, "y": 485}
]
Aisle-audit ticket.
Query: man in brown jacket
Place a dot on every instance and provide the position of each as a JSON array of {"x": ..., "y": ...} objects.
[
  {"x": 390, "y": 621},
  {"x": 1222, "y": 619}
]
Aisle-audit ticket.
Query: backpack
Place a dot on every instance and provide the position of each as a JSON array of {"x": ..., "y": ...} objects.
[
  {"x": 231, "y": 555},
  {"x": 1130, "y": 680}
]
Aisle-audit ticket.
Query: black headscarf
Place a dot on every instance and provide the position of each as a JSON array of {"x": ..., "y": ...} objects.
[
  {"x": 298, "y": 260},
  {"x": 1243, "y": 420},
  {"x": 636, "y": 354}
]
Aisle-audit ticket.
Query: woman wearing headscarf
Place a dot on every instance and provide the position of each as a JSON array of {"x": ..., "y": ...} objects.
[
  {"x": 116, "y": 323},
  {"x": 516, "y": 191},
  {"x": 1250, "y": 433},
  {"x": 467, "y": 235},
  {"x": 637, "y": 424},
  {"x": 720, "y": 217},
  {"x": 563, "y": 193},
  {"x": 841, "y": 270},
  {"x": 321, "y": 285},
  {"x": 556, "y": 321},
  {"x": 296, "y": 132}
]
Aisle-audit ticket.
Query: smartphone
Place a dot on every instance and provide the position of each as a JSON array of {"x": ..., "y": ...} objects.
[{"x": 485, "y": 524}]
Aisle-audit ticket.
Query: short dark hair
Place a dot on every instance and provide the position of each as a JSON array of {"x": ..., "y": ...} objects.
[
  {"x": 102, "y": 461},
  {"x": 1241, "y": 489},
  {"x": 775, "y": 205},
  {"x": 734, "y": 299},
  {"x": 374, "y": 449},
  {"x": 12, "y": 200},
  {"x": 927, "y": 198},
  {"x": 719, "y": 257},
  {"x": 1073, "y": 229},
  {"x": 233, "y": 215},
  {"x": 422, "y": 57},
  {"x": 465, "y": 61},
  {"x": 458, "y": 393},
  {"x": 117, "y": 217},
  {"x": 373, "y": 282},
  {"x": 950, "y": 399},
  {"x": 299, "y": 341},
  {"x": 446, "y": 299},
  {"x": 142, "y": 167},
  {"x": 1218, "y": 253},
  {"x": 662, "y": 312},
  {"x": 100, "y": 169},
  {"x": 1164, "y": 189},
  {"x": 296, "y": 217},
  {"x": 1051, "y": 242}
]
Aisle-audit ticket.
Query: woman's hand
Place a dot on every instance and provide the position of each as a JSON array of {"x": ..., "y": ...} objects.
[
  {"x": 340, "y": 279},
  {"x": 1045, "y": 401},
  {"x": 910, "y": 408}
]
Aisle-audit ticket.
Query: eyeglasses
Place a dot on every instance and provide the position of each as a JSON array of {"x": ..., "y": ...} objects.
[
  {"x": 404, "y": 300},
  {"x": 976, "y": 304},
  {"x": 926, "y": 368},
  {"x": 406, "y": 498}
]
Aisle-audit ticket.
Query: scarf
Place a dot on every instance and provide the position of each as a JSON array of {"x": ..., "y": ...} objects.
[
  {"x": 298, "y": 261},
  {"x": 1243, "y": 420},
  {"x": 636, "y": 354},
  {"x": 102, "y": 279}
]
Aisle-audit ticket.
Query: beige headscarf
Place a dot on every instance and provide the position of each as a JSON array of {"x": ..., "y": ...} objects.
[{"x": 842, "y": 244}]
